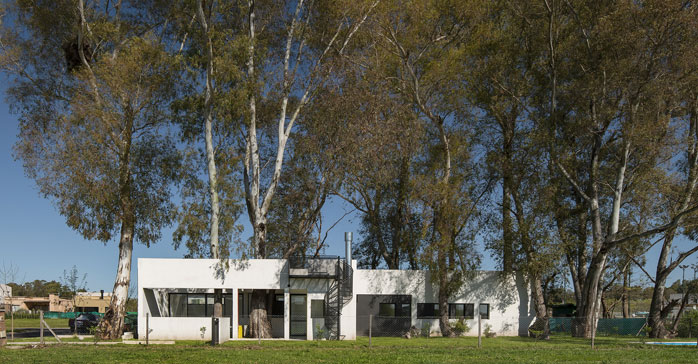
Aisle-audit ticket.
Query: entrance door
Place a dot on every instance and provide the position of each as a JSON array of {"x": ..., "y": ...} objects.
[{"x": 299, "y": 318}]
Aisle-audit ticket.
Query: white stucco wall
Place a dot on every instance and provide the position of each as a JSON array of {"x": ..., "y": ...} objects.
[
  {"x": 203, "y": 273},
  {"x": 510, "y": 309}
]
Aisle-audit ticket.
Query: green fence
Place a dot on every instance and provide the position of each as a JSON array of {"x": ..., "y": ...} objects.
[{"x": 605, "y": 327}]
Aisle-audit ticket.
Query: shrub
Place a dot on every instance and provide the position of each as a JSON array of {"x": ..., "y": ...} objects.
[
  {"x": 488, "y": 331},
  {"x": 460, "y": 327}
]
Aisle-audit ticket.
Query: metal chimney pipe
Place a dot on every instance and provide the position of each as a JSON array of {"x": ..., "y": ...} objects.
[{"x": 348, "y": 236}]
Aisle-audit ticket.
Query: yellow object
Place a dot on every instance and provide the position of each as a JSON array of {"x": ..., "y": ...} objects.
[{"x": 239, "y": 331}]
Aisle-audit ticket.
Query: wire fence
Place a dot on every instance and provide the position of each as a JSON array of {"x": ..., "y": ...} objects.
[
  {"x": 604, "y": 327},
  {"x": 404, "y": 326}
]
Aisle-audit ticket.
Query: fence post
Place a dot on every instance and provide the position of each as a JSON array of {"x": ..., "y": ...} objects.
[
  {"x": 370, "y": 326},
  {"x": 147, "y": 328},
  {"x": 41, "y": 326},
  {"x": 479, "y": 329}
]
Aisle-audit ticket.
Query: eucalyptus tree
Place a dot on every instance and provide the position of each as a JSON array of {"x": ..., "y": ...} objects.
[
  {"x": 607, "y": 88},
  {"x": 91, "y": 83},
  {"x": 209, "y": 37},
  {"x": 417, "y": 49},
  {"x": 288, "y": 48},
  {"x": 498, "y": 84},
  {"x": 680, "y": 20},
  {"x": 374, "y": 138}
]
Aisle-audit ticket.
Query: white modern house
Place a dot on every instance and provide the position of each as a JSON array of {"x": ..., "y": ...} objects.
[{"x": 309, "y": 297}]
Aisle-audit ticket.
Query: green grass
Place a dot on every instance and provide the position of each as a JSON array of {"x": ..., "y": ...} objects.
[
  {"x": 34, "y": 323},
  {"x": 383, "y": 350}
]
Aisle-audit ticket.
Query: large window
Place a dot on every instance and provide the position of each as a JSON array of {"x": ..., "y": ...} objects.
[
  {"x": 461, "y": 310},
  {"x": 197, "y": 304},
  {"x": 394, "y": 310},
  {"x": 427, "y": 310}
]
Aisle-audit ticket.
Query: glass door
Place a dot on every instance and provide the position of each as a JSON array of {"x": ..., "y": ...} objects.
[{"x": 299, "y": 312}]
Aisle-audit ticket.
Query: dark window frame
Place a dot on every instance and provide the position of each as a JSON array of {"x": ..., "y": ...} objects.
[
  {"x": 428, "y": 310},
  {"x": 485, "y": 316},
  {"x": 468, "y": 310}
]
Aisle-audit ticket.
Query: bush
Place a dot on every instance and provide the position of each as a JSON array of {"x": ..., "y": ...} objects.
[
  {"x": 488, "y": 331},
  {"x": 460, "y": 327}
]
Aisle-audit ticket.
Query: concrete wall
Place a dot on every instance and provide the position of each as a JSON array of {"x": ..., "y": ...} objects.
[{"x": 182, "y": 328}]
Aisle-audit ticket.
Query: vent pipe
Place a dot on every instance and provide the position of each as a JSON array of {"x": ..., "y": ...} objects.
[
  {"x": 101, "y": 294},
  {"x": 347, "y": 242}
]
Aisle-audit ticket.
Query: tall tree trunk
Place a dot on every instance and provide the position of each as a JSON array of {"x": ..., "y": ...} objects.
[
  {"x": 112, "y": 325},
  {"x": 542, "y": 321},
  {"x": 444, "y": 324},
  {"x": 260, "y": 325},
  {"x": 655, "y": 320},
  {"x": 210, "y": 154},
  {"x": 507, "y": 185}
]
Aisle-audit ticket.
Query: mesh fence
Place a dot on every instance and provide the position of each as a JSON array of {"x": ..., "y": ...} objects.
[
  {"x": 604, "y": 327},
  {"x": 377, "y": 326}
]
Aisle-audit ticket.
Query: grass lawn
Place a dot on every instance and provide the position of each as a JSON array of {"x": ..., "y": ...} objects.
[
  {"x": 34, "y": 323},
  {"x": 384, "y": 350}
]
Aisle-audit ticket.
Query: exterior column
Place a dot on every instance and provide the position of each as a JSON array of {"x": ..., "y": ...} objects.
[
  {"x": 308, "y": 319},
  {"x": 236, "y": 318},
  {"x": 287, "y": 313}
]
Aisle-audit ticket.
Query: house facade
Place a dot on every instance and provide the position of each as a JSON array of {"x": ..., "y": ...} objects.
[{"x": 318, "y": 297}]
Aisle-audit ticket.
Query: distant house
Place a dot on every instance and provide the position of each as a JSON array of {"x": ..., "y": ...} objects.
[
  {"x": 5, "y": 291},
  {"x": 84, "y": 302},
  {"x": 325, "y": 296}
]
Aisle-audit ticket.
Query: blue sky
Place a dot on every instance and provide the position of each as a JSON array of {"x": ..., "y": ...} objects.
[{"x": 34, "y": 237}]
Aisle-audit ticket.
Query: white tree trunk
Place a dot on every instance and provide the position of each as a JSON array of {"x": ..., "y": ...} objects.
[
  {"x": 210, "y": 153},
  {"x": 112, "y": 325}
]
